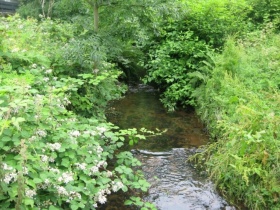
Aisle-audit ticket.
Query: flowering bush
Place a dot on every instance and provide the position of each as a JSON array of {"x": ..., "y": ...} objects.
[
  {"x": 57, "y": 47},
  {"x": 51, "y": 158}
]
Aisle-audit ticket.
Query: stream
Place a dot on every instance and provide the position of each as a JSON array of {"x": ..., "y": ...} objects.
[{"x": 175, "y": 184}]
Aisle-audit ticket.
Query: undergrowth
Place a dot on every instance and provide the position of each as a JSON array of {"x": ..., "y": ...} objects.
[{"x": 240, "y": 104}]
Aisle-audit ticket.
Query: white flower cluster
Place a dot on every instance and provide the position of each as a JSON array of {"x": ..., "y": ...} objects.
[
  {"x": 81, "y": 166},
  {"x": 11, "y": 176},
  {"x": 66, "y": 101},
  {"x": 6, "y": 167},
  {"x": 101, "y": 130},
  {"x": 71, "y": 195},
  {"x": 101, "y": 197},
  {"x": 93, "y": 170},
  {"x": 46, "y": 79},
  {"x": 32, "y": 138},
  {"x": 53, "y": 147},
  {"x": 54, "y": 170},
  {"x": 92, "y": 133},
  {"x": 116, "y": 186},
  {"x": 75, "y": 133},
  {"x": 30, "y": 193},
  {"x": 46, "y": 204},
  {"x": 44, "y": 158},
  {"x": 44, "y": 185},
  {"x": 99, "y": 149},
  {"x": 66, "y": 177},
  {"x": 61, "y": 190},
  {"x": 51, "y": 159},
  {"x": 102, "y": 163},
  {"x": 72, "y": 120},
  {"x": 48, "y": 71},
  {"x": 109, "y": 174},
  {"x": 24, "y": 170},
  {"x": 41, "y": 133},
  {"x": 38, "y": 99}
]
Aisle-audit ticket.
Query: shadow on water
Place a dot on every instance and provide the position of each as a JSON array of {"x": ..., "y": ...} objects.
[{"x": 175, "y": 185}]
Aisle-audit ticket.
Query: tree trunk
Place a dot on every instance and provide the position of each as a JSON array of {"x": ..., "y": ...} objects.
[{"x": 96, "y": 16}]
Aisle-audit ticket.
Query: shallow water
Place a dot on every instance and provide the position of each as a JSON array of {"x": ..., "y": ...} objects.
[
  {"x": 141, "y": 107},
  {"x": 175, "y": 184}
]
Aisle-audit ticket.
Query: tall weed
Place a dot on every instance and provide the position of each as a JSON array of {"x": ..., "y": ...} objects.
[{"x": 240, "y": 104}]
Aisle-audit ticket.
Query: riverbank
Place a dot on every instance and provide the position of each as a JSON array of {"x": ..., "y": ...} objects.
[{"x": 240, "y": 104}]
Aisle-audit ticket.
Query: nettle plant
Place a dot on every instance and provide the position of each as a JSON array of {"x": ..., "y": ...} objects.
[
  {"x": 51, "y": 158},
  {"x": 175, "y": 66}
]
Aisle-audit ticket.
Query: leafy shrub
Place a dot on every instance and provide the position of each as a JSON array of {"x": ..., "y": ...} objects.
[
  {"x": 214, "y": 20},
  {"x": 173, "y": 66},
  {"x": 263, "y": 12},
  {"x": 179, "y": 57},
  {"x": 52, "y": 158},
  {"x": 52, "y": 43}
]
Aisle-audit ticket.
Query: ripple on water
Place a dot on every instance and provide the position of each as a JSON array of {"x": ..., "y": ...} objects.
[{"x": 175, "y": 184}]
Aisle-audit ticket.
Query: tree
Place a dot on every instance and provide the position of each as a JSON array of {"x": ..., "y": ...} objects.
[{"x": 121, "y": 29}]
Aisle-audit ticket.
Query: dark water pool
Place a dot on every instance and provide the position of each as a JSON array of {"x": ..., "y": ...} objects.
[{"x": 175, "y": 184}]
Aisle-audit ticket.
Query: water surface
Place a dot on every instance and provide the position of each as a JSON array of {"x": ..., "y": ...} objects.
[
  {"x": 175, "y": 184},
  {"x": 141, "y": 107}
]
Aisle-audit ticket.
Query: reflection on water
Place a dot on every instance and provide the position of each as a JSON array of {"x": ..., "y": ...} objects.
[
  {"x": 141, "y": 108},
  {"x": 175, "y": 184}
]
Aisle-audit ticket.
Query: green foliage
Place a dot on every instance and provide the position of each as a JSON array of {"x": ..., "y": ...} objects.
[
  {"x": 214, "y": 20},
  {"x": 29, "y": 8},
  {"x": 50, "y": 157},
  {"x": 137, "y": 202},
  {"x": 263, "y": 12},
  {"x": 173, "y": 66},
  {"x": 240, "y": 105},
  {"x": 121, "y": 36},
  {"x": 134, "y": 135},
  {"x": 179, "y": 57},
  {"x": 236, "y": 92},
  {"x": 51, "y": 45}
]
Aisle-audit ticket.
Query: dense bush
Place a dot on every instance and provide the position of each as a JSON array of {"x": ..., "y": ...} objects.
[
  {"x": 51, "y": 157},
  {"x": 214, "y": 20},
  {"x": 178, "y": 55},
  {"x": 59, "y": 46},
  {"x": 173, "y": 66},
  {"x": 263, "y": 12}
]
